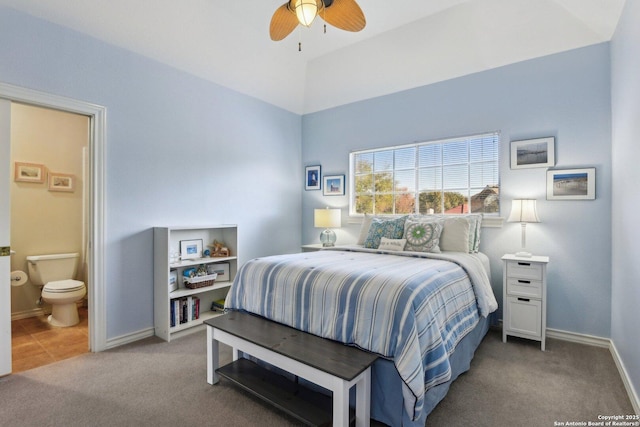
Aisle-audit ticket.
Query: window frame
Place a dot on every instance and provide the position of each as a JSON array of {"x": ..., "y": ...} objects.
[{"x": 416, "y": 169}]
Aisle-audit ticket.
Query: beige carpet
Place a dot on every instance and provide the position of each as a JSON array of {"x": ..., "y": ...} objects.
[{"x": 153, "y": 383}]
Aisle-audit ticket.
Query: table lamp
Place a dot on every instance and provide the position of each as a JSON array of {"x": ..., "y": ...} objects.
[
  {"x": 327, "y": 218},
  {"x": 523, "y": 211}
]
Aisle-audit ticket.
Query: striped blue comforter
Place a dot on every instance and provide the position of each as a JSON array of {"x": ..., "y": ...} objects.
[{"x": 410, "y": 309}]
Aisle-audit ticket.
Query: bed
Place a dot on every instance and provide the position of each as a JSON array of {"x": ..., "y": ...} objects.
[{"x": 424, "y": 312}]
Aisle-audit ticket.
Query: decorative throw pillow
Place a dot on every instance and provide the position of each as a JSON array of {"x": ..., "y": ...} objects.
[
  {"x": 392, "y": 244},
  {"x": 423, "y": 236},
  {"x": 364, "y": 228},
  {"x": 455, "y": 235},
  {"x": 389, "y": 228}
]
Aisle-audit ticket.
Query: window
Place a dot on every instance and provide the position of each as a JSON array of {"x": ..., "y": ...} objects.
[{"x": 458, "y": 175}]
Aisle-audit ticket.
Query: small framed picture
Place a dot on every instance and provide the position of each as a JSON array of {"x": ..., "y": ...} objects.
[
  {"x": 312, "y": 178},
  {"x": 191, "y": 249},
  {"x": 533, "y": 153},
  {"x": 571, "y": 184},
  {"x": 333, "y": 185},
  {"x": 61, "y": 182},
  {"x": 29, "y": 172}
]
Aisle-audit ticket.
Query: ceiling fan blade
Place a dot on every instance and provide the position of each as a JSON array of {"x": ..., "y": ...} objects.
[
  {"x": 283, "y": 22},
  {"x": 344, "y": 14}
]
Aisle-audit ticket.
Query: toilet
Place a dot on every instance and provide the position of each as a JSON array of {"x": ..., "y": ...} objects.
[{"x": 55, "y": 273}]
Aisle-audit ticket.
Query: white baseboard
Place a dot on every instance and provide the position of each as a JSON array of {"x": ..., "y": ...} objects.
[
  {"x": 129, "y": 338},
  {"x": 34, "y": 312},
  {"x": 631, "y": 392},
  {"x": 579, "y": 338}
]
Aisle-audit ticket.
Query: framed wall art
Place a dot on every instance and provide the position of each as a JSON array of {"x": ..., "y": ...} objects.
[
  {"x": 61, "y": 182},
  {"x": 333, "y": 185},
  {"x": 533, "y": 153},
  {"x": 312, "y": 179},
  {"x": 29, "y": 172},
  {"x": 571, "y": 184},
  {"x": 190, "y": 249}
]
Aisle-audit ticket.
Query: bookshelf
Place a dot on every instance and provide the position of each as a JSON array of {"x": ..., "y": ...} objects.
[{"x": 167, "y": 262}]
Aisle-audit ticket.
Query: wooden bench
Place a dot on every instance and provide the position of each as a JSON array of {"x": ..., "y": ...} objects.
[{"x": 329, "y": 364}]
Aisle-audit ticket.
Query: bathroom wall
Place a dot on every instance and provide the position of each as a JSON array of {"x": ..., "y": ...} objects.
[{"x": 44, "y": 221}]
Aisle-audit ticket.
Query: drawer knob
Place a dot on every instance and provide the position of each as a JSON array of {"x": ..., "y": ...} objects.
[
  {"x": 524, "y": 263},
  {"x": 524, "y": 299},
  {"x": 524, "y": 281}
]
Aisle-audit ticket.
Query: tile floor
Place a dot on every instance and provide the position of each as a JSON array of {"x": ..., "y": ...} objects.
[{"x": 36, "y": 343}]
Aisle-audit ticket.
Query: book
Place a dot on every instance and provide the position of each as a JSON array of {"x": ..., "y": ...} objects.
[
  {"x": 196, "y": 308},
  {"x": 218, "y": 305}
]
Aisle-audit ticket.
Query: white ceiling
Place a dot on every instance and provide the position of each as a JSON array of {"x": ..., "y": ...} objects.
[{"x": 405, "y": 44}]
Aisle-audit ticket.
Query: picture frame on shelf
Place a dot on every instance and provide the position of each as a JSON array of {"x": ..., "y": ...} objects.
[
  {"x": 61, "y": 182},
  {"x": 571, "y": 184},
  {"x": 191, "y": 249},
  {"x": 533, "y": 153},
  {"x": 312, "y": 178},
  {"x": 29, "y": 172},
  {"x": 333, "y": 185}
]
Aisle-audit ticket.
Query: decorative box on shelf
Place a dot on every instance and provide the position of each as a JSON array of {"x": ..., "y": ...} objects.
[
  {"x": 196, "y": 282},
  {"x": 221, "y": 269}
]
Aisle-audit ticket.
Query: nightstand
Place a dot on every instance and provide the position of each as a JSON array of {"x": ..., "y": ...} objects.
[
  {"x": 524, "y": 297},
  {"x": 311, "y": 248}
]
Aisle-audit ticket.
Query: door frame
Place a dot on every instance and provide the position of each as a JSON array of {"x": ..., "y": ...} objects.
[{"x": 97, "y": 203}]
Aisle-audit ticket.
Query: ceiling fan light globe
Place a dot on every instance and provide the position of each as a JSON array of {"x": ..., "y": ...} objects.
[{"x": 306, "y": 11}]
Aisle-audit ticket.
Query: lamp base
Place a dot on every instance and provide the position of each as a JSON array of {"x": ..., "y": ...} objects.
[
  {"x": 524, "y": 254},
  {"x": 328, "y": 238}
]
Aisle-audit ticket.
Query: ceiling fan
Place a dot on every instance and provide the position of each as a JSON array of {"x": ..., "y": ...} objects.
[{"x": 343, "y": 14}]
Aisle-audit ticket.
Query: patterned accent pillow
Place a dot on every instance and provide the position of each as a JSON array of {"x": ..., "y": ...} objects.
[
  {"x": 389, "y": 228},
  {"x": 422, "y": 236},
  {"x": 392, "y": 244}
]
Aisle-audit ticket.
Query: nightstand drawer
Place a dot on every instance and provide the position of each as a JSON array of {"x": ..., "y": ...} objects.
[
  {"x": 524, "y": 287},
  {"x": 524, "y": 316},
  {"x": 524, "y": 270}
]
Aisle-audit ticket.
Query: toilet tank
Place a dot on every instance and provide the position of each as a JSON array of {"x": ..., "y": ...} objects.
[{"x": 47, "y": 268}]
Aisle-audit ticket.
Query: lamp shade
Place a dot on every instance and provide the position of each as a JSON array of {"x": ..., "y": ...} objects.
[
  {"x": 523, "y": 210},
  {"x": 326, "y": 218}
]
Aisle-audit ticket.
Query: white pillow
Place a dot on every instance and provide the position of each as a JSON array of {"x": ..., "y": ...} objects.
[
  {"x": 392, "y": 244},
  {"x": 455, "y": 235},
  {"x": 364, "y": 228}
]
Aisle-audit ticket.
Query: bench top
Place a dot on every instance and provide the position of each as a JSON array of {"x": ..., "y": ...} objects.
[{"x": 340, "y": 360}]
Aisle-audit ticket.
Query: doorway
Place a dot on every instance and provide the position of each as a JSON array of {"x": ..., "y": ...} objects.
[
  {"x": 48, "y": 216},
  {"x": 96, "y": 208}
]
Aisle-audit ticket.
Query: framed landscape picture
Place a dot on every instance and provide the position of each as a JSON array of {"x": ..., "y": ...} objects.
[
  {"x": 191, "y": 249},
  {"x": 333, "y": 185},
  {"x": 533, "y": 153},
  {"x": 29, "y": 172},
  {"x": 571, "y": 184},
  {"x": 61, "y": 182}
]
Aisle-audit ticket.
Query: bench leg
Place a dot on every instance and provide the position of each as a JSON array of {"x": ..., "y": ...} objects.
[
  {"x": 341, "y": 405},
  {"x": 213, "y": 357},
  {"x": 363, "y": 399}
]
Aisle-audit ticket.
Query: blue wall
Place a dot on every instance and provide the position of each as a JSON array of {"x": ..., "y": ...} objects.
[
  {"x": 180, "y": 151},
  {"x": 625, "y": 99},
  {"x": 565, "y": 95}
]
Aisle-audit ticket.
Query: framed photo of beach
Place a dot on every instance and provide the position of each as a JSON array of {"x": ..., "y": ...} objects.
[
  {"x": 571, "y": 184},
  {"x": 533, "y": 153}
]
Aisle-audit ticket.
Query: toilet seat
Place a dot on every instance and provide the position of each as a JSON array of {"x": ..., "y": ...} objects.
[{"x": 63, "y": 286}]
